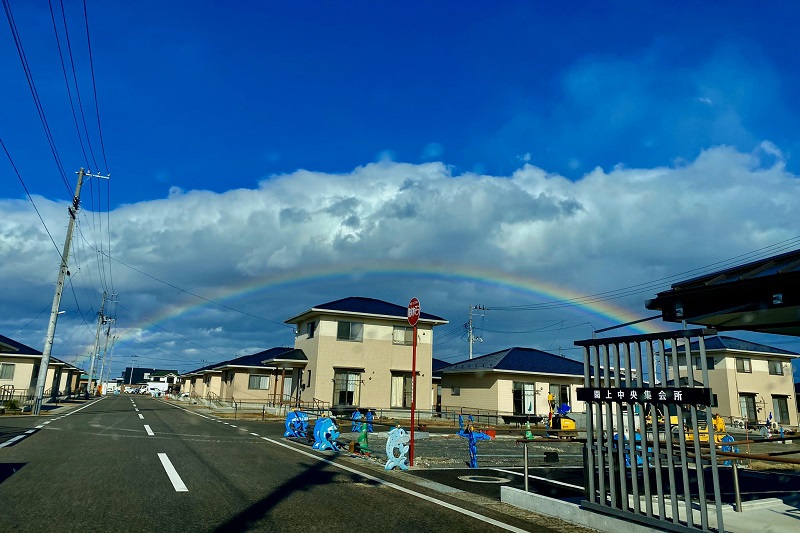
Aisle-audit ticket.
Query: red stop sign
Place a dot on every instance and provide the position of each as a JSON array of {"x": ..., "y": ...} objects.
[{"x": 413, "y": 311}]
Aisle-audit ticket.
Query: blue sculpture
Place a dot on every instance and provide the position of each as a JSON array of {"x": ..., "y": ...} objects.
[
  {"x": 626, "y": 448},
  {"x": 370, "y": 418},
  {"x": 356, "y": 421},
  {"x": 296, "y": 424},
  {"x": 325, "y": 434},
  {"x": 397, "y": 448},
  {"x": 472, "y": 437},
  {"x": 728, "y": 448}
]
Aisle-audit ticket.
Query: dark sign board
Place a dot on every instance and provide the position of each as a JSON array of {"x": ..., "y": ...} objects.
[{"x": 667, "y": 395}]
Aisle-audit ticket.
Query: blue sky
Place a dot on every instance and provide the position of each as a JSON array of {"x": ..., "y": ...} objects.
[
  {"x": 214, "y": 96},
  {"x": 590, "y": 146}
]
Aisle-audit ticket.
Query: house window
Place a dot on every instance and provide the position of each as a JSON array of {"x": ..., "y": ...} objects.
[
  {"x": 170, "y": 380},
  {"x": 560, "y": 394},
  {"x": 403, "y": 335},
  {"x": 401, "y": 390},
  {"x": 310, "y": 327},
  {"x": 775, "y": 368},
  {"x": 346, "y": 387},
  {"x": 7, "y": 371},
  {"x": 524, "y": 398},
  {"x": 349, "y": 331},
  {"x": 709, "y": 363},
  {"x": 455, "y": 391},
  {"x": 258, "y": 382},
  {"x": 747, "y": 406},
  {"x": 780, "y": 409},
  {"x": 743, "y": 365}
]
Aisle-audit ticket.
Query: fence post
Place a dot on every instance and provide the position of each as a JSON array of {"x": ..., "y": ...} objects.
[
  {"x": 526, "y": 466},
  {"x": 737, "y": 494}
]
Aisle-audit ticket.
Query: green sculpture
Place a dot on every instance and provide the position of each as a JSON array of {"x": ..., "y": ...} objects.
[{"x": 363, "y": 444}]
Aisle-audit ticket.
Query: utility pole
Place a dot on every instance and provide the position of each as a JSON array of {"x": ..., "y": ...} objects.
[
  {"x": 41, "y": 378},
  {"x": 470, "y": 335},
  {"x": 101, "y": 319},
  {"x": 105, "y": 349}
]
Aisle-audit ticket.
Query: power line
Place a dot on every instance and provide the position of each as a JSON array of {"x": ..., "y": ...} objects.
[{"x": 35, "y": 94}]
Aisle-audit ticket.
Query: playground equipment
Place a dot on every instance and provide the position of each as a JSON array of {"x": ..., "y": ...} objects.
[
  {"x": 325, "y": 434},
  {"x": 357, "y": 420},
  {"x": 397, "y": 448},
  {"x": 472, "y": 437},
  {"x": 296, "y": 424},
  {"x": 560, "y": 425}
]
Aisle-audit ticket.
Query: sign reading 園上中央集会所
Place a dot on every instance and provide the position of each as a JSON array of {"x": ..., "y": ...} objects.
[{"x": 667, "y": 395}]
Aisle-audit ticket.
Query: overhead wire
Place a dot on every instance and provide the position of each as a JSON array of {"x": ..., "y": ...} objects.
[{"x": 35, "y": 94}]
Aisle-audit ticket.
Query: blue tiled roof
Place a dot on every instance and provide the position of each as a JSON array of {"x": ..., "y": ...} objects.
[
  {"x": 520, "y": 360},
  {"x": 359, "y": 304},
  {"x": 257, "y": 359},
  {"x": 17, "y": 347},
  {"x": 721, "y": 342}
]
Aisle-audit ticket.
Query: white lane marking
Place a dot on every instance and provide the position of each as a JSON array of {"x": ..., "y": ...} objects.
[
  {"x": 141, "y": 416},
  {"x": 410, "y": 492},
  {"x": 46, "y": 422},
  {"x": 39, "y": 426},
  {"x": 30, "y": 431},
  {"x": 255, "y": 434},
  {"x": 176, "y": 480},
  {"x": 231, "y": 425},
  {"x": 148, "y": 430},
  {"x": 552, "y": 481},
  {"x": 137, "y": 410}
]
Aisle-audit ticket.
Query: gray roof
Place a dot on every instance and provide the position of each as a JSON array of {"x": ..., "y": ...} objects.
[
  {"x": 721, "y": 342},
  {"x": 519, "y": 360}
]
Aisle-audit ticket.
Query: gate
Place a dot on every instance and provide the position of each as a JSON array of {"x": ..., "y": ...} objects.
[{"x": 646, "y": 407}]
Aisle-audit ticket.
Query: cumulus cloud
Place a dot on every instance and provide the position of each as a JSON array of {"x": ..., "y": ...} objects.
[{"x": 607, "y": 230}]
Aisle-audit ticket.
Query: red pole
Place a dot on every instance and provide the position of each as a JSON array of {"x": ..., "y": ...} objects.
[{"x": 413, "y": 393}]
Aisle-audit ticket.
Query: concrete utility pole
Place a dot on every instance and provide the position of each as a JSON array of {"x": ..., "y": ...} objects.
[
  {"x": 101, "y": 319},
  {"x": 41, "y": 378},
  {"x": 470, "y": 335},
  {"x": 105, "y": 349}
]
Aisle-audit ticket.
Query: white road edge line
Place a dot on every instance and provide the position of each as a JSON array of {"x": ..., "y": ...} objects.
[
  {"x": 410, "y": 492},
  {"x": 176, "y": 480},
  {"x": 148, "y": 430}
]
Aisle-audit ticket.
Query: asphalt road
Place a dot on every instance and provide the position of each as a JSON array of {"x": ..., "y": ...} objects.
[{"x": 133, "y": 463}]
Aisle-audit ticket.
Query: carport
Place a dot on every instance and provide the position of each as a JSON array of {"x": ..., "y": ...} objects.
[{"x": 762, "y": 296}]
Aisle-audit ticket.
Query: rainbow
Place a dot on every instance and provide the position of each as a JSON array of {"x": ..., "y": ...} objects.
[{"x": 542, "y": 290}]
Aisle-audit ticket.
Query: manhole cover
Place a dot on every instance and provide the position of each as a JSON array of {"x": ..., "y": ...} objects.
[{"x": 484, "y": 479}]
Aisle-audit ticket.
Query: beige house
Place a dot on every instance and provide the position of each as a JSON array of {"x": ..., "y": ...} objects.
[
  {"x": 270, "y": 376},
  {"x": 749, "y": 381},
  {"x": 19, "y": 369},
  {"x": 359, "y": 354},
  {"x": 512, "y": 383}
]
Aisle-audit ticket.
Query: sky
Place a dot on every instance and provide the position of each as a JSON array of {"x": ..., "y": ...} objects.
[{"x": 267, "y": 157}]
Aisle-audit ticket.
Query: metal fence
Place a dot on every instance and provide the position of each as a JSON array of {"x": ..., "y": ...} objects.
[{"x": 659, "y": 479}]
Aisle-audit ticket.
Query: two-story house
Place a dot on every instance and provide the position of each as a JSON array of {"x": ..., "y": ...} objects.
[
  {"x": 749, "y": 380},
  {"x": 359, "y": 354}
]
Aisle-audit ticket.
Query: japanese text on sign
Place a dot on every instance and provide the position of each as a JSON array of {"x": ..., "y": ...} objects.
[{"x": 682, "y": 395}]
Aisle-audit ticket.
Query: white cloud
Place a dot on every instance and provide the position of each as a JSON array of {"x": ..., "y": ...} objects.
[{"x": 607, "y": 230}]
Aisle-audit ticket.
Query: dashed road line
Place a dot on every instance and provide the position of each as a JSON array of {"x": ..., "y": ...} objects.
[
  {"x": 141, "y": 416},
  {"x": 148, "y": 430}
]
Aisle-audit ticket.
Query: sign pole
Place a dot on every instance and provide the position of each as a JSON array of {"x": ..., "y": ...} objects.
[{"x": 413, "y": 317}]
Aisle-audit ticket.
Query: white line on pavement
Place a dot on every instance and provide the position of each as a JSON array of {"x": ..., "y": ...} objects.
[
  {"x": 231, "y": 425},
  {"x": 471, "y": 514},
  {"x": 255, "y": 434},
  {"x": 176, "y": 480},
  {"x": 137, "y": 410},
  {"x": 141, "y": 416},
  {"x": 148, "y": 430}
]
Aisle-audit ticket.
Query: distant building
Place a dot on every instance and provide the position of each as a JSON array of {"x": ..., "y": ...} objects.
[{"x": 146, "y": 376}]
